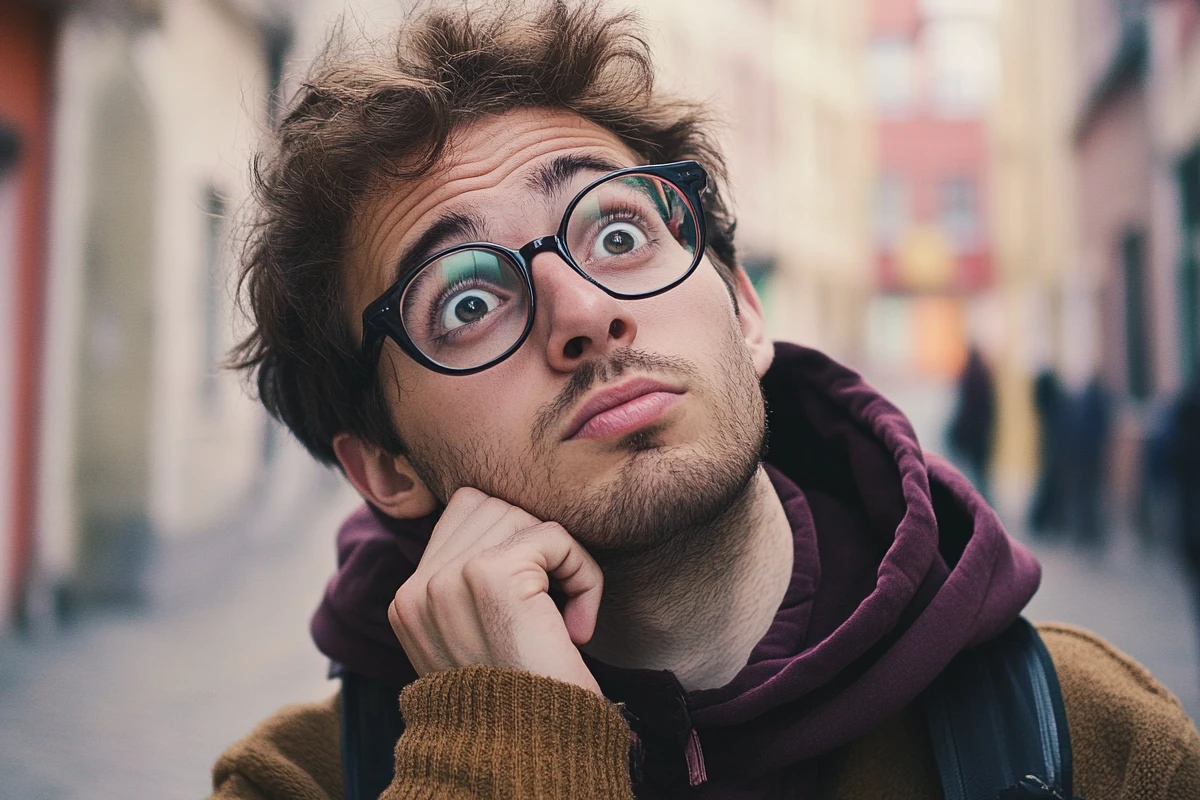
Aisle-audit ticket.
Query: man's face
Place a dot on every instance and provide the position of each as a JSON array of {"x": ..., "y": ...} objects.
[{"x": 630, "y": 478}]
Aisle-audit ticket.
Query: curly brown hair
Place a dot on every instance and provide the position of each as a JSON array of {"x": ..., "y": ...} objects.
[{"x": 371, "y": 117}]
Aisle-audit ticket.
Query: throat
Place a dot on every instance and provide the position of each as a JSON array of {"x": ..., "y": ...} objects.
[{"x": 698, "y": 604}]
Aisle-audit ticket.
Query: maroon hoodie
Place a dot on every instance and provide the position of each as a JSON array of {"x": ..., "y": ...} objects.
[{"x": 899, "y": 565}]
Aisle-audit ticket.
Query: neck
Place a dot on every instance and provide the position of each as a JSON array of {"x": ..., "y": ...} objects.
[{"x": 698, "y": 604}]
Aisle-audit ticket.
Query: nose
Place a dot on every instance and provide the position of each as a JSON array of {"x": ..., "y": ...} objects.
[{"x": 579, "y": 321}]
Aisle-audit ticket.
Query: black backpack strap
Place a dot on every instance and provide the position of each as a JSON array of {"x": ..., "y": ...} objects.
[
  {"x": 371, "y": 725},
  {"x": 997, "y": 723}
]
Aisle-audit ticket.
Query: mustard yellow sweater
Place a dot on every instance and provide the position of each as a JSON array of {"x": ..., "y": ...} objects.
[{"x": 479, "y": 732}]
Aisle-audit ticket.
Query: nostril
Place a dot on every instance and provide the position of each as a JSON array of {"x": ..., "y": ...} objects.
[
  {"x": 574, "y": 347},
  {"x": 616, "y": 329}
]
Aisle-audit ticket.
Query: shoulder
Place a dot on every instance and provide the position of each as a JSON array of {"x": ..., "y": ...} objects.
[
  {"x": 296, "y": 752},
  {"x": 1130, "y": 737}
]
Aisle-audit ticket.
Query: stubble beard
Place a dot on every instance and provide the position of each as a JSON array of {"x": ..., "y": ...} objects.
[{"x": 661, "y": 493}]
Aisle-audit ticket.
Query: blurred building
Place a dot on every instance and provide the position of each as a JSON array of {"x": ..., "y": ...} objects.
[
  {"x": 1137, "y": 131},
  {"x": 933, "y": 70},
  {"x": 140, "y": 433},
  {"x": 1174, "y": 34}
]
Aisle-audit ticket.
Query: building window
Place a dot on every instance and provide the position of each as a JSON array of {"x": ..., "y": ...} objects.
[
  {"x": 214, "y": 282},
  {"x": 892, "y": 76},
  {"x": 891, "y": 211},
  {"x": 964, "y": 68},
  {"x": 958, "y": 212}
]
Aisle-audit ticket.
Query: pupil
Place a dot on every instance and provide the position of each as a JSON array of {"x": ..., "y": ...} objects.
[
  {"x": 470, "y": 309},
  {"x": 618, "y": 242}
]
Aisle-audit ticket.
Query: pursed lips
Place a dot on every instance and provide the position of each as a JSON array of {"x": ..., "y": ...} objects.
[{"x": 622, "y": 408}]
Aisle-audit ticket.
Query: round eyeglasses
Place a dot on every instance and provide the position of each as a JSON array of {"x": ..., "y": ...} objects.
[{"x": 634, "y": 233}]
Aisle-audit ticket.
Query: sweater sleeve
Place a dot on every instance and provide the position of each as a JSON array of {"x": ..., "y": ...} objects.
[
  {"x": 294, "y": 755},
  {"x": 1130, "y": 737},
  {"x": 481, "y": 732},
  {"x": 474, "y": 732}
]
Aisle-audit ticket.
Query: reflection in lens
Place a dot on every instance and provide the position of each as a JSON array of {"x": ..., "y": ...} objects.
[
  {"x": 634, "y": 234},
  {"x": 466, "y": 308}
]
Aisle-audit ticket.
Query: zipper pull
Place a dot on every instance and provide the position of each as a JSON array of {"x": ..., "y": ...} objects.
[
  {"x": 697, "y": 774},
  {"x": 1031, "y": 787}
]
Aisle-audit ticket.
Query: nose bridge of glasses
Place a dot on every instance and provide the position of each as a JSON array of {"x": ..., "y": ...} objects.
[{"x": 542, "y": 244}]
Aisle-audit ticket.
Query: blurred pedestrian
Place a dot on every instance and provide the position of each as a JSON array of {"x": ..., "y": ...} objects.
[
  {"x": 1047, "y": 511},
  {"x": 1091, "y": 435},
  {"x": 972, "y": 432},
  {"x": 1155, "y": 507},
  {"x": 1184, "y": 460}
]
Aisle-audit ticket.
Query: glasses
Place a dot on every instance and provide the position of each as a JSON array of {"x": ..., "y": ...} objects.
[{"x": 633, "y": 233}]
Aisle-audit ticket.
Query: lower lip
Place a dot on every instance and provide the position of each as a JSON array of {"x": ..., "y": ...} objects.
[{"x": 628, "y": 417}]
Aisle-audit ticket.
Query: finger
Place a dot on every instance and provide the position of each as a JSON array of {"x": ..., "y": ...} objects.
[
  {"x": 461, "y": 505},
  {"x": 490, "y": 523},
  {"x": 409, "y": 633},
  {"x": 452, "y": 623},
  {"x": 574, "y": 571}
]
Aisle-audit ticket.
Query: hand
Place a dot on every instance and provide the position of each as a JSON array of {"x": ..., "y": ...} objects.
[{"x": 480, "y": 594}]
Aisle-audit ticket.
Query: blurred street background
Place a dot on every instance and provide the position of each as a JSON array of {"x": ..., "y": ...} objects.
[{"x": 989, "y": 207}]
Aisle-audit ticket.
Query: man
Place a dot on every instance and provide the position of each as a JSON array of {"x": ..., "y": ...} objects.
[{"x": 494, "y": 279}]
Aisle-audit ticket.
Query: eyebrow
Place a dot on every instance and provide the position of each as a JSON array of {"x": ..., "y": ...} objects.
[
  {"x": 551, "y": 177},
  {"x": 548, "y": 180},
  {"x": 454, "y": 225}
]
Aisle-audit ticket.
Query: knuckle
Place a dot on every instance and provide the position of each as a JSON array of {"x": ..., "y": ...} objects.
[
  {"x": 465, "y": 494},
  {"x": 478, "y": 572},
  {"x": 440, "y": 588},
  {"x": 405, "y": 608}
]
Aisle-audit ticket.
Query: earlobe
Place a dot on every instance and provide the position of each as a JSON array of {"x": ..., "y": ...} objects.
[
  {"x": 754, "y": 324},
  {"x": 384, "y": 480}
]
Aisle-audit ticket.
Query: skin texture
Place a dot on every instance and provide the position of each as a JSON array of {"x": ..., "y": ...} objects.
[{"x": 680, "y": 501}]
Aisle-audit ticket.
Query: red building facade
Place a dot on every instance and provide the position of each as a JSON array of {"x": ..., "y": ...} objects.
[
  {"x": 26, "y": 54},
  {"x": 933, "y": 72}
]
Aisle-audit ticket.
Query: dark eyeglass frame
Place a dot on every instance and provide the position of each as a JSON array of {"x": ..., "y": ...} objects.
[{"x": 382, "y": 318}]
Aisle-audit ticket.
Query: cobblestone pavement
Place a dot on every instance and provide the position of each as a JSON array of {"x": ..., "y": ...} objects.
[{"x": 139, "y": 706}]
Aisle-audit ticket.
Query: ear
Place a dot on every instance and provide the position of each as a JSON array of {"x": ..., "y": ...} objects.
[
  {"x": 754, "y": 324},
  {"x": 386, "y": 481}
]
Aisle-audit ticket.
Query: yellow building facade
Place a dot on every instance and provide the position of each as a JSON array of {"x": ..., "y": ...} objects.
[
  {"x": 1022, "y": 322},
  {"x": 787, "y": 81}
]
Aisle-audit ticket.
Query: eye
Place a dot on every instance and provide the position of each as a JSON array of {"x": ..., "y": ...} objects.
[
  {"x": 616, "y": 239},
  {"x": 467, "y": 307}
]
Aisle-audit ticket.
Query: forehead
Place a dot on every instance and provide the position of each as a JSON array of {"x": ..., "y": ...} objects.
[{"x": 484, "y": 162}]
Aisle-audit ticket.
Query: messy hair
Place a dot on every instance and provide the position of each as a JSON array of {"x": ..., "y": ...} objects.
[{"x": 374, "y": 115}]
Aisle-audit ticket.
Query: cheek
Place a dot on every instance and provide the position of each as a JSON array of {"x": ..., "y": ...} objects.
[
  {"x": 694, "y": 316},
  {"x": 479, "y": 409}
]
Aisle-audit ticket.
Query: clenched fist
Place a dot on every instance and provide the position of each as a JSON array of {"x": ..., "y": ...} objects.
[{"x": 480, "y": 594}]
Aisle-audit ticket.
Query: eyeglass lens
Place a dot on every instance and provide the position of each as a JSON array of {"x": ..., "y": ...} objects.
[{"x": 633, "y": 234}]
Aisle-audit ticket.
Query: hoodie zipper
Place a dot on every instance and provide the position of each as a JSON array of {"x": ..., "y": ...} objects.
[{"x": 1045, "y": 713}]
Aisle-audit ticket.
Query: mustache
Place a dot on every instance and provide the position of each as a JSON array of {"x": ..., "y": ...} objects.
[{"x": 601, "y": 371}]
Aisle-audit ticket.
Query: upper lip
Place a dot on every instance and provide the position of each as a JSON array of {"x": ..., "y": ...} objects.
[{"x": 611, "y": 398}]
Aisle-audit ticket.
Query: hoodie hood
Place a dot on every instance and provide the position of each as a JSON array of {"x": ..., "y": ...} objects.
[{"x": 899, "y": 565}]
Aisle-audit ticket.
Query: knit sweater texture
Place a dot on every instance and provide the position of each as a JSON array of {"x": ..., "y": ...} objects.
[{"x": 479, "y": 732}]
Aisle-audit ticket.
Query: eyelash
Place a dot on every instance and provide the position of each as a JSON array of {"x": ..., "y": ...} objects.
[
  {"x": 624, "y": 213},
  {"x": 450, "y": 291}
]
